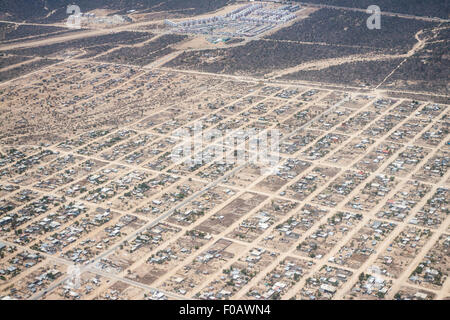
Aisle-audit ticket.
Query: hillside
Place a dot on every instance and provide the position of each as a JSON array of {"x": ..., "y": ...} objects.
[
  {"x": 429, "y": 8},
  {"x": 55, "y": 10}
]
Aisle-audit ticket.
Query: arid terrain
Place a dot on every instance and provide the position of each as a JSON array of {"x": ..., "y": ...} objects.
[{"x": 93, "y": 205}]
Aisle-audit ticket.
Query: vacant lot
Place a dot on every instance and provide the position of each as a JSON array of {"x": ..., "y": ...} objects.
[{"x": 429, "y": 8}]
